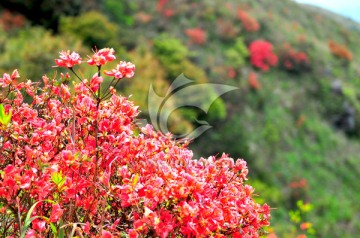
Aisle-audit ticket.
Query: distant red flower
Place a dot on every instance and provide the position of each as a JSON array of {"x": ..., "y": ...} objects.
[
  {"x": 102, "y": 56},
  {"x": 231, "y": 73},
  {"x": 160, "y": 5},
  {"x": 124, "y": 69},
  {"x": 168, "y": 12},
  {"x": 250, "y": 24},
  {"x": 67, "y": 59},
  {"x": 305, "y": 225},
  {"x": 340, "y": 51},
  {"x": 9, "y": 20},
  {"x": 262, "y": 55},
  {"x": 292, "y": 60},
  {"x": 197, "y": 35},
  {"x": 253, "y": 82},
  {"x": 302, "y": 183}
]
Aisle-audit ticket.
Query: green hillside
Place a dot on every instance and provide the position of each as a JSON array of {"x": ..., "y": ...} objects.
[{"x": 295, "y": 117}]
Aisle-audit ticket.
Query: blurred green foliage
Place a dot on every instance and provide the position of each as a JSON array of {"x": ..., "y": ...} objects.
[
  {"x": 38, "y": 50},
  {"x": 88, "y": 27},
  {"x": 120, "y": 11},
  {"x": 237, "y": 53},
  {"x": 172, "y": 54}
]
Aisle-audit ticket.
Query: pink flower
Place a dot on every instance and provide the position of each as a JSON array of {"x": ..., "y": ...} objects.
[
  {"x": 95, "y": 82},
  {"x": 106, "y": 234},
  {"x": 38, "y": 225},
  {"x": 102, "y": 56},
  {"x": 30, "y": 234},
  {"x": 124, "y": 69},
  {"x": 133, "y": 233},
  {"x": 15, "y": 74},
  {"x": 56, "y": 213},
  {"x": 5, "y": 80},
  {"x": 86, "y": 228},
  {"x": 68, "y": 60}
]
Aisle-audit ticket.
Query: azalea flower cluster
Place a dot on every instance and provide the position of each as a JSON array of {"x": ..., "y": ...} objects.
[
  {"x": 340, "y": 51},
  {"x": 249, "y": 23},
  {"x": 293, "y": 60},
  {"x": 73, "y": 162},
  {"x": 196, "y": 35},
  {"x": 262, "y": 55}
]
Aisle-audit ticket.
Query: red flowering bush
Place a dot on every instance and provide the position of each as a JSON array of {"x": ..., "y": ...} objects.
[
  {"x": 161, "y": 7},
  {"x": 196, "y": 35},
  {"x": 250, "y": 24},
  {"x": 9, "y": 20},
  {"x": 262, "y": 55},
  {"x": 340, "y": 51},
  {"x": 74, "y": 163},
  {"x": 292, "y": 60},
  {"x": 253, "y": 81}
]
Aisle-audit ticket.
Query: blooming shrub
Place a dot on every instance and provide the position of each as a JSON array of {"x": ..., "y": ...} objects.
[
  {"x": 262, "y": 55},
  {"x": 9, "y": 21},
  {"x": 293, "y": 61},
  {"x": 76, "y": 164},
  {"x": 196, "y": 35},
  {"x": 250, "y": 24},
  {"x": 253, "y": 81},
  {"x": 340, "y": 51},
  {"x": 161, "y": 4},
  {"x": 226, "y": 29}
]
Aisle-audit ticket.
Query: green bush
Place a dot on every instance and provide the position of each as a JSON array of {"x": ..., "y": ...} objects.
[
  {"x": 87, "y": 27},
  {"x": 236, "y": 55},
  {"x": 38, "y": 47},
  {"x": 172, "y": 54}
]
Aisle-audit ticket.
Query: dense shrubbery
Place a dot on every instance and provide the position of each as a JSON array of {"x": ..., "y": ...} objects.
[
  {"x": 237, "y": 54},
  {"x": 74, "y": 164},
  {"x": 84, "y": 27},
  {"x": 35, "y": 57}
]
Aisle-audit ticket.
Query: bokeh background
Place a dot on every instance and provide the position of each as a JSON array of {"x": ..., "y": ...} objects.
[{"x": 295, "y": 117}]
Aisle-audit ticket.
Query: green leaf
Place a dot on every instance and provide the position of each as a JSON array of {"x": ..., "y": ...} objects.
[
  {"x": 53, "y": 228},
  {"x": 4, "y": 118},
  {"x": 58, "y": 178},
  {"x": 29, "y": 219}
]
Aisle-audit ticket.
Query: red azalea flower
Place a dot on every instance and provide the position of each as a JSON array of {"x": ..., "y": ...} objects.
[
  {"x": 7, "y": 79},
  {"x": 68, "y": 60},
  {"x": 102, "y": 56},
  {"x": 56, "y": 213},
  {"x": 124, "y": 69},
  {"x": 39, "y": 225},
  {"x": 106, "y": 234},
  {"x": 95, "y": 82}
]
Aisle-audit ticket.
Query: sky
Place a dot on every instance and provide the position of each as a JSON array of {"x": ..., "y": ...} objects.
[{"x": 347, "y": 8}]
